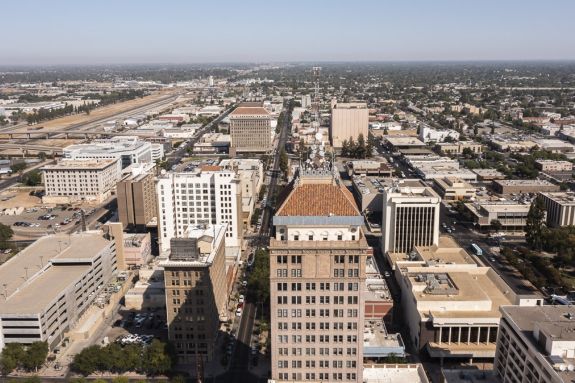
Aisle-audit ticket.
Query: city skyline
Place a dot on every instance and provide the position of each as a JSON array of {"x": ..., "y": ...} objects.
[{"x": 130, "y": 32}]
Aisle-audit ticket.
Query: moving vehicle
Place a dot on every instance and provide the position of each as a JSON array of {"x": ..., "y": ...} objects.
[{"x": 476, "y": 249}]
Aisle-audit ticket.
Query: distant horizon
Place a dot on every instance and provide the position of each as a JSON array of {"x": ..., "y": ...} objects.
[
  {"x": 108, "y": 32},
  {"x": 303, "y": 62}
]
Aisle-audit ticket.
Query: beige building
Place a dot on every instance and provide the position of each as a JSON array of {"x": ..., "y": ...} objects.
[
  {"x": 456, "y": 148},
  {"x": 49, "y": 285},
  {"x": 80, "y": 180},
  {"x": 136, "y": 194},
  {"x": 560, "y": 207},
  {"x": 453, "y": 189},
  {"x": 554, "y": 166},
  {"x": 410, "y": 216},
  {"x": 488, "y": 174},
  {"x": 523, "y": 186},
  {"x": 250, "y": 129},
  {"x": 512, "y": 215},
  {"x": 452, "y": 309},
  {"x": 196, "y": 293},
  {"x": 317, "y": 274},
  {"x": 536, "y": 345},
  {"x": 348, "y": 120}
]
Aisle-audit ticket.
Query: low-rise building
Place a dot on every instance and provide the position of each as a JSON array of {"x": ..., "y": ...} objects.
[
  {"x": 560, "y": 207},
  {"x": 432, "y": 171},
  {"x": 488, "y": 174},
  {"x": 80, "y": 180},
  {"x": 148, "y": 293},
  {"x": 536, "y": 344},
  {"x": 128, "y": 149},
  {"x": 512, "y": 215},
  {"x": 554, "y": 166},
  {"x": 396, "y": 143},
  {"x": 378, "y": 373},
  {"x": 457, "y": 148},
  {"x": 378, "y": 168},
  {"x": 453, "y": 189},
  {"x": 211, "y": 143},
  {"x": 428, "y": 134},
  {"x": 50, "y": 284},
  {"x": 523, "y": 186}
]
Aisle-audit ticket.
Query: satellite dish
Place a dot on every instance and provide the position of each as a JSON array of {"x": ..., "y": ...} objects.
[{"x": 318, "y": 136}]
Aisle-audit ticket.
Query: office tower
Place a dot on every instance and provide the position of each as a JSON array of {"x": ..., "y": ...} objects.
[
  {"x": 536, "y": 344},
  {"x": 410, "y": 216},
  {"x": 49, "y": 285},
  {"x": 348, "y": 120},
  {"x": 317, "y": 273},
  {"x": 210, "y": 197},
  {"x": 560, "y": 207},
  {"x": 196, "y": 293},
  {"x": 80, "y": 180},
  {"x": 250, "y": 128},
  {"x": 136, "y": 193}
]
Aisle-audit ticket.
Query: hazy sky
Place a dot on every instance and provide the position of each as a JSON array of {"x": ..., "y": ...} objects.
[{"x": 190, "y": 31}]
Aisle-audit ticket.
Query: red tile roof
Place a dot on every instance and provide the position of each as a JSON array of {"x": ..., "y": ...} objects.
[
  {"x": 210, "y": 168},
  {"x": 319, "y": 200}
]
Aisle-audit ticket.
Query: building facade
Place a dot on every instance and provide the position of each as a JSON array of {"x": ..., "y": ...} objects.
[
  {"x": 211, "y": 197},
  {"x": 196, "y": 294},
  {"x": 50, "y": 284},
  {"x": 410, "y": 217},
  {"x": 348, "y": 120},
  {"x": 536, "y": 344},
  {"x": 250, "y": 129},
  {"x": 136, "y": 194},
  {"x": 77, "y": 180},
  {"x": 560, "y": 207},
  {"x": 128, "y": 149},
  {"x": 317, "y": 274}
]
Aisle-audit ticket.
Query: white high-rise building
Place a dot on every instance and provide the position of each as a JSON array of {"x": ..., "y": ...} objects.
[
  {"x": 410, "y": 217},
  {"x": 210, "y": 197}
]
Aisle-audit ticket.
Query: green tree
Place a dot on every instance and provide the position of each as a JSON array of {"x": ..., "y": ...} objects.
[
  {"x": 18, "y": 167},
  {"x": 32, "y": 178},
  {"x": 86, "y": 362},
  {"x": 496, "y": 225},
  {"x": 6, "y": 232},
  {"x": 11, "y": 357},
  {"x": 360, "y": 150},
  {"x": 35, "y": 356},
  {"x": 345, "y": 149},
  {"x": 283, "y": 161},
  {"x": 157, "y": 358},
  {"x": 535, "y": 227},
  {"x": 475, "y": 130}
]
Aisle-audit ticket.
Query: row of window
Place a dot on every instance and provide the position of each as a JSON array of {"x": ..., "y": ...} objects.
[
  {"x": 311, "y": 286},
  {"x": 311, "y": 313},
  {"x": 322, "y": 376},
  {"x": 322, "y": 299},
  {"x": 321, "y": 363},
  {"x": 297, "y": 326}
]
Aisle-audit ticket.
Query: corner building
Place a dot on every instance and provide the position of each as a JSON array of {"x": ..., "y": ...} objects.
[{"x": 317, "y": 272}]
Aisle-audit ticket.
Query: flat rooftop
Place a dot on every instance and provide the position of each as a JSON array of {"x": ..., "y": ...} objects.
[
  {"x": 50, "y": 249},
  {"x": 524, "y": 182},
  {"x": 563, "y": 198},
  {"x": 375, "y": 335},
  {"x": 447, "y": 251},
  {"x": 404, "y": 141},
  {"x": 380, "y": 373},
  {"x": 488, "y": 173},
  {"x": 65, "y": 164}
]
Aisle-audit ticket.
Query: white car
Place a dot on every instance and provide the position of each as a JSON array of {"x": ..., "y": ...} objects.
[
  {"x": 241, "y": 299},
  {"x": 239, "y": 312}
]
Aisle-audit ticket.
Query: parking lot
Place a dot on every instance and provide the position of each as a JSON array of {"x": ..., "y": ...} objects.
[
  {"x": 138, "y": 327},
  {"x": 41, "y": 219}
]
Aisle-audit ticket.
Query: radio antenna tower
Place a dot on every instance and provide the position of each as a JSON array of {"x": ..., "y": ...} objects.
[{"x": 316, "y": 72}]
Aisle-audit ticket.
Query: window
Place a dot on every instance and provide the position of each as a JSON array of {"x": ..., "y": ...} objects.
[
  {"x": 296, "y": 237},
  {"x": 296, "y": 259},
  {"x": 282, "y": 259}
]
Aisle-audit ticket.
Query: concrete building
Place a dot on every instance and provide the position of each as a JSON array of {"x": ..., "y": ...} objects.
[
  {"x": 128, "y": 149},
  {"x": 511, "y": 214},
  {"x": 488, "y": 174},
  {"x": 149, "y": 291},
  {"x": 317, "y": 273},
  {"x": 196, "y": 293},
  {"x": 397, "y": 143},
  {"x": 348, "y": 120},
  {"x": 136, "y": 194},
  {"x": 456, "y": 148},
  {"x": 380, "y": 373},
  {"x": 250, "y": 129},
  {"x": 523, "y": 186},
  {"x": 453, "y": 189},
  {"x": 560, "y": 207},
  {"x": 212, "y": 143},
  {"x": 410, "y": 216},
  {"x": 50, "y": 284},
  {"x": 194, "y": 198},
  {"x": 251, "y": 175},
  {"x": 453, "y": 312},
  {"x": 554, "y": 166},
  {"x": 80, "y": 180},
  {"x": 428, "y": 134},
  {"x": 431, "y": 171},
  {"x": 378, "y": 168},
  {"x": 536, "y": 344}
]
